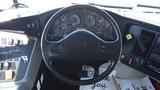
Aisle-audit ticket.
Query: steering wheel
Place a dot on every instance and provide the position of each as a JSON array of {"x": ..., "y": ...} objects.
[{"x": 81, "y": 46}]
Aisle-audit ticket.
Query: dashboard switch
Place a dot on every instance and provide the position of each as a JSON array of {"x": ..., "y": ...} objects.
[
  {"x": 1, "y": 66},
  {"x": 13, "y": 65},
  {"x": 10, "y": 41},
  {"x": 139, "y": 61},
  {"x": 122, "y": 57},
  {"x": 6, "y": 65},
  {"x": 9, "y": 74},
  {"x": 129, "y": 36},
  {"x": 130, "y": 61},
  {"x": 2, "y": 75},
  {"x": 61, "y": 49},
  {"x": 58, "y": 49},
  {"x": 25, "y": 59}
]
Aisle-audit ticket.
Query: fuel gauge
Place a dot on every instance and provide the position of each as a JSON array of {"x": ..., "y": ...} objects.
[{"x": 63, "y": 18}]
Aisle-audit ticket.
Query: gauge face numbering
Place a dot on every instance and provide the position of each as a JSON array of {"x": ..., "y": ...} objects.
[
  {"x": 74, "y": 20},
  {"x": 90, "y": 20}
]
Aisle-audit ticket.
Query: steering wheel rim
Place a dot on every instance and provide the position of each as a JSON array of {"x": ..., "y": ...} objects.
[{"x": 73, "y": 34}]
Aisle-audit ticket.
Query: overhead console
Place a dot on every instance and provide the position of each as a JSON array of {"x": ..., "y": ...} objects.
[
  {"x": 15, "y": 53},
  {"x": 142, "y": 50}
]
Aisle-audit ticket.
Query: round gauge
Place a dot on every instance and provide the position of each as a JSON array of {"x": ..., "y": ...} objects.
[
  {"x": 104, "y": 22},
  {"x": 90, "y": 20},
  {"x": 107, "y": 24},
  {"x": 64, "y": 26},
  {"x": 63, "y": 18},
  {"x": 74, "y": 20}
]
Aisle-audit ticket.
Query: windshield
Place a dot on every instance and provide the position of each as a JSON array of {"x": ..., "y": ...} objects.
[{"x": 45, "y": 4}]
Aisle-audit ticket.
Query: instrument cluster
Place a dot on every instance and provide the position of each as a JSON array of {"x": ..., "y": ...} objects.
[{"x": 81, "y": 19}]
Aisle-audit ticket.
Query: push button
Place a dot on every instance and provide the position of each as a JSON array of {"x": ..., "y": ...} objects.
[
  {"x": 2, "y": 75},
  {"x": 57, "y": 49},
  {"x": 6, "y": 65},
  {"x": 1, "y": 66},
  {"x": 25, "y": 59},
  {"x": 130, "y": 61},
  {"x": 9, "y": 74},
  {"x": 13, "y": 65}
]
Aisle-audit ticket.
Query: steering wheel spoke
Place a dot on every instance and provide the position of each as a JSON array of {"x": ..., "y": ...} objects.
[
  {"x": 55, "y": 50},
  {"x": 109, "y": 51}
]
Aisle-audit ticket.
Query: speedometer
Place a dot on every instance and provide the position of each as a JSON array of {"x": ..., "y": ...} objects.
[{"x": 90, "y": 20}]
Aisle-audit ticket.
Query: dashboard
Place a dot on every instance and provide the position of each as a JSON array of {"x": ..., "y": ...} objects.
[
  {"x": 141, "y": 40},
  {"x": 81, "y": 19}
]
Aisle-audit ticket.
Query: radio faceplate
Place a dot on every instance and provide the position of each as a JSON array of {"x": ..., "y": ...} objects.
[{"x": 15, "y": 53}]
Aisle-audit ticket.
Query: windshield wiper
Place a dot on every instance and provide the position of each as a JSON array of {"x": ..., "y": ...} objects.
[
  {"x": 108, "y": 6},
  {"x": 148, "y": 6},
  {"x": 16, "y": 4}
]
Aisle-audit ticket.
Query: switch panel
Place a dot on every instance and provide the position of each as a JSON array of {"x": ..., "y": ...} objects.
[{"x": 15, "y": 52}]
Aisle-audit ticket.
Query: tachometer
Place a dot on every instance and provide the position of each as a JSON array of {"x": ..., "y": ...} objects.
[
  {"x": 90, "y": 20},
  {"x": 74, "y": 20}
]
